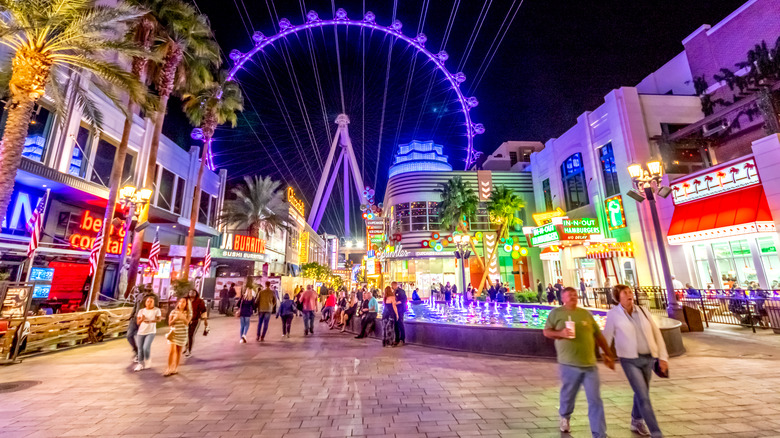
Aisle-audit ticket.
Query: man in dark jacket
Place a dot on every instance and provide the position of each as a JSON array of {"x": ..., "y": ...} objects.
[
  {"x": 401, "y": 302},
  {"x": 539, "y": 290}
]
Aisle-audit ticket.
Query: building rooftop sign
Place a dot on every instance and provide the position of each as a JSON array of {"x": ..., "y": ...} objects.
[
  {"x": 544, "y": 234},
  {"x": 546, "y": 217},
  {"x": 722, "y": 179},
  {"x": 295, "y": 203}
]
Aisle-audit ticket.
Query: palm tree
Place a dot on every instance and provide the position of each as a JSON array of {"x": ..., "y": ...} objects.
[
  {"x": 185, "y": 43},
  {"x": 503, "y": 207},
  {"x": 141, "y": 34},
  {"x": 213, "y": 105},
  {"x": 259, "y": 206},
  {"x": 49, "y": 40},
  {"x": 458, "y": 207}
]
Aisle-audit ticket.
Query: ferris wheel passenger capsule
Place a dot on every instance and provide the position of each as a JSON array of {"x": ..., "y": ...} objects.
[
  {"x": 284, "y": 24},
  {"x": 235, "y": 55},
  {"x": 421, "y": 39},
  {"x": 258, "y": 37},
  {"x": 460, "y": 77},
  {"x": 396, "y": 26},
  {"x": 478, "y": 128},
  {"x": 472, "y": 101},
  {"x": 312, "y": 17},
  {"x": 341, "y": 14},
  {"x": 369, "y": 17},
  {"x": 443, "y": 56}
]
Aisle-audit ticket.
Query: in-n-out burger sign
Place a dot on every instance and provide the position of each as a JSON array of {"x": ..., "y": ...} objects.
[
  {"x": 248, "y": 244},
  {"x": 90, "y": 224}
]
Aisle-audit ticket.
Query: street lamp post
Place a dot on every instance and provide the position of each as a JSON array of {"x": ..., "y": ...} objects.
[
  {"x": 133, "y": 201},
  {"x": 463, "y": 254},
  {"x": 648, "y": 183}
]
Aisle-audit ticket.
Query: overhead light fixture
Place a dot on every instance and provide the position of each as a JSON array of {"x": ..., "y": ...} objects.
[
  {"x": 635, "y": 195},
  {"x": 664, "y": 191},
  {"x": 635, "y": 170}
]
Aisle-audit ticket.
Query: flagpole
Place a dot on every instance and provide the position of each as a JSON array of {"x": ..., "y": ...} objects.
[
  {"x": 100, "y": 236},
  {"x": 31, "y": 257}
]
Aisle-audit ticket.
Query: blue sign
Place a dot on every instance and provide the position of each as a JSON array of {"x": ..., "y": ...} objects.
[
  {"x": 24, "y": 200},
  {"x": 41, "y": 274},
  {"x": 41, "y": 291}
]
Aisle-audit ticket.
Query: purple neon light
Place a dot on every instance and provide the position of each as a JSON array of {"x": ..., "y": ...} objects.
[{"x": 368, "y": 21}]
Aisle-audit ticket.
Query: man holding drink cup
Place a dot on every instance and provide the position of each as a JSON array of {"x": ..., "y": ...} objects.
[{"x": 576, "y": 334}]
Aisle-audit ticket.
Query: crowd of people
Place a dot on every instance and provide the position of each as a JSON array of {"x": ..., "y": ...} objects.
[{"x": 638, "y": 343}]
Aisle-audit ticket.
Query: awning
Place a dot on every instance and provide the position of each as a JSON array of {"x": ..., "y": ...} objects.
[
  {"x": 608, "y": 250},
  {"x": 743, "y": 211}
]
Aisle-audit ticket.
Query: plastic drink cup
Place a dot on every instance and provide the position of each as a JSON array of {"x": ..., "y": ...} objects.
[{"x": 570, "y": 326}]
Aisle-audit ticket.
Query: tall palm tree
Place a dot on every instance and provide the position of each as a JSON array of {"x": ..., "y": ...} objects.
[
  {"x": 215, "y": 104},
  {"x": 259, "y": 206},
  {"x": 458, "y": 207},
  {"x": 185, "y": 43},
  {"x": 49, "y": 40},
  {"x": 141, "y": 33},
  {"x": 503, "y": 207}
]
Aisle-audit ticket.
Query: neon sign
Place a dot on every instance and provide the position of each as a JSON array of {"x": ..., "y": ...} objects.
[
  {"x": 23, "y": 202},
  {"x": 718, "y": 180},
  {"x": 586, "y": 225},
  {"x": 294, "y": 202},
  {"x": 616, "y": 217},
  {"x": 92, "y": 225},
  {"x": 544, "y": 234},
  {"x": 248, "y": 244},
  {"x": 546, "y": 217}
]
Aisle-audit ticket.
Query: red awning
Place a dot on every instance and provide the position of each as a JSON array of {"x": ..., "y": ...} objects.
[{"x": 739, "y": 212}]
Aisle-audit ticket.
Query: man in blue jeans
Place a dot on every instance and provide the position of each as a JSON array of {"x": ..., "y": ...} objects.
[
  {"x": 266, "y": 305},
  {"x": 309, "y": 301},
  {"x": 576, "y": 333}
]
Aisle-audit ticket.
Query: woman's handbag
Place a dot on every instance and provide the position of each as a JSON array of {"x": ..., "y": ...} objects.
[
  {"x": 169, "y": 336},
  {"x": 656, "y": 362}
]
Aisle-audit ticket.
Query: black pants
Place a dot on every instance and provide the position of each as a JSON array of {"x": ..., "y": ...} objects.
[
  {"x": 286, "y": 324},
  {"x": 191, "y": 330},
  {"x": 369, "y": 320},
  {"x": 400, "y": 332}
]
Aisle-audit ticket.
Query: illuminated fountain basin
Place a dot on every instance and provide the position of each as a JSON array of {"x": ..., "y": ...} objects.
[{"x": 502, "y": 329}]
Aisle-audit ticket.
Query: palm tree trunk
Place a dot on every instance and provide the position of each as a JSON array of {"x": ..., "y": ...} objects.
[
  {"x": 143, "y": 216},
  {"x": 113, "y": 192},
  {"x": 12, "y": 146},
  {"x": 195, "y": 207}
]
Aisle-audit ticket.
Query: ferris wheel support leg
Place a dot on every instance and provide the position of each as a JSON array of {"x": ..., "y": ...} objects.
[
  {"x": 347, "y": 229},
  {"x": 316, "y": 207},
  {"x": 321, "y": 211}
]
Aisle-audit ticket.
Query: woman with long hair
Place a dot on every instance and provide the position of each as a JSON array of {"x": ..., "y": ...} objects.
[
  {"x": 349, "y": 312},
  {"x": 389, "y": 317},
  {"x": 246, "y": 306},
  {"x": 179, "y": 321},
  {"x": 147, "y": 327}
]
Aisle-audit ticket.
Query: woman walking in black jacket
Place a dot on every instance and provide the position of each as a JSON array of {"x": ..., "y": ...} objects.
[{"x": 287, "y": 311}]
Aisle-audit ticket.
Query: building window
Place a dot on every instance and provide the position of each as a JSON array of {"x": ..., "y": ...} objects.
[
  {"x": 165, "y": 191},
  {"x": 768, "y": 250},
  {"x": 609, "y": 170},
  {"x": 127, "y": 171},
  {"x": 735, "y": 263},
  {"x": 702, "y": 263},
  {"x": 103, "y": 162},
  {"x": 37, "y": 134},
  {"x": 512, "y": 158},
  {"x": 573, "y": 178},
  {"x": 548, "y": 206},
  {"x": 179, "y": 195},
  {"x": 80, "y": 157},
  {"x": 402, "y": 218}
]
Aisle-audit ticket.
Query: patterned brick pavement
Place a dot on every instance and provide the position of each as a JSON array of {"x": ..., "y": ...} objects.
[{"x": 332, "y": 385}]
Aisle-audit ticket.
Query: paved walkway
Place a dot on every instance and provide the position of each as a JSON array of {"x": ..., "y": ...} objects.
[{"x": 331, "y": 385}]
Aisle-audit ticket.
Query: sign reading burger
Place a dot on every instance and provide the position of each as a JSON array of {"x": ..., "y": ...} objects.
[{"x": 562, "y": 230}]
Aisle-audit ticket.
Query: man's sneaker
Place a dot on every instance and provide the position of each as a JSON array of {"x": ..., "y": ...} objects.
[
  {"x": 564, "y": 423},
  {"x": 639, "y": 427},
  {"x": 138, "y": 367},
  {"x": 243, "y": 339}
]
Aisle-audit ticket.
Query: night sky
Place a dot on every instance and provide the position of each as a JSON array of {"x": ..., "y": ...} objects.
[{"x": 557, "y": 60}]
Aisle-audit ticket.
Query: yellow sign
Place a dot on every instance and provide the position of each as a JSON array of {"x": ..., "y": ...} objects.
[
  {"x": 303, "y": 251},
  {"x": 546, "y": 217},
  {"x": 295, "y": 203}
]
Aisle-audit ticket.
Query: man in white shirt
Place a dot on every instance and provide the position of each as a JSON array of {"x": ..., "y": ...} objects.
[{"x": 677, "y": 283}]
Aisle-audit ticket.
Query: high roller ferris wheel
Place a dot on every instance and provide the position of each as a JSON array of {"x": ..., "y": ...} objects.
[{"x": 341, "y": 138}]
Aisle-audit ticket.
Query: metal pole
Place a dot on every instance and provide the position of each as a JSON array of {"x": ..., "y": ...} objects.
[
  {"x": 347, "y": 230},
  {"x": 125, "y": 241},
  {"x": 462, "y": 270},
  {"x": 671, "y": 299}
]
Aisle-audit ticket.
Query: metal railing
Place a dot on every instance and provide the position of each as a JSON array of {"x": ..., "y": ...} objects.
[{"x": 754, "y": 308}]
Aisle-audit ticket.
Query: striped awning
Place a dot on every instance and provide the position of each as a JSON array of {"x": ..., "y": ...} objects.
[{"x": 609, "y": 250}]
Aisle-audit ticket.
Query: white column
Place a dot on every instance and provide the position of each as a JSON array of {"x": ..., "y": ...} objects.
[
  {"x": 717, "y": 283},
  {"x": 756, "y": 254}
]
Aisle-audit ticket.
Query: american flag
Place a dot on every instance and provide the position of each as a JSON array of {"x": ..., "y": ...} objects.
[
  {"x": 35, "y": 225},
  {"x": 95, "y": 252},
  {"x": 207, "y": 260},
  {"x": 154, "y": 253}
]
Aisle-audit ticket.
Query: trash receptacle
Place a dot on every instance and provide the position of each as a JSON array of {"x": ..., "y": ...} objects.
[{"x": 693, "y": 319}]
